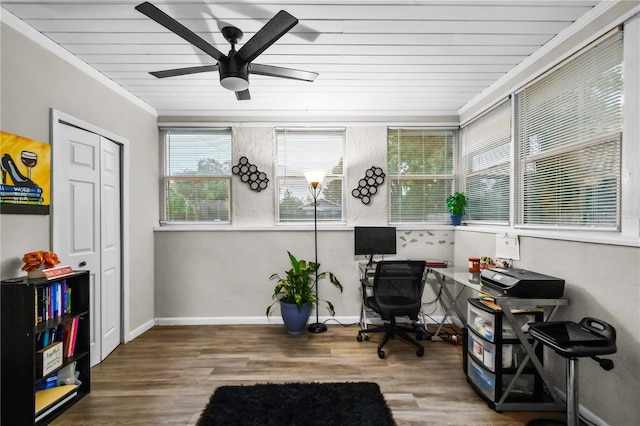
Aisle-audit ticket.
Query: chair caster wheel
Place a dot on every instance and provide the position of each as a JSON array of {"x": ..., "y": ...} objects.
[
  {"x": 420, "y": 352},
  {"x": 381, "y": 354},
  {"x": 359, "y": 337},
  {"x": 419, "y": 336}
]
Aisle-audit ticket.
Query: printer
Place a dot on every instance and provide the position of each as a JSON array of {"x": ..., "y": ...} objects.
[{"x": 513, "y": 282}]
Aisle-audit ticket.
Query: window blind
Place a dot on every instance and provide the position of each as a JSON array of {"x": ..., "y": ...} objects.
[
  {"x": 196, "y": 175},
  {"x": 309, "y": 148},
  {"x": 486, "y": 163},
  {"x": 569, "y": 125},
  {"x": 420, "y": 163}
]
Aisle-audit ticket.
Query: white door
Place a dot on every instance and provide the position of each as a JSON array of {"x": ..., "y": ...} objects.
[
  {"x": 85, "y": 228},
  {"x": 110, "y": 225}
]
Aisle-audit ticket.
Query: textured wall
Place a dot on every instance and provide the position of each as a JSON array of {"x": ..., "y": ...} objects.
[
  {"x": 215, "y": 275},
  {"x": 601, "y": 281},
  {"x": 33, "y": 81}
]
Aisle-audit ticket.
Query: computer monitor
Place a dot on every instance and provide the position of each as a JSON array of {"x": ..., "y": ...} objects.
[{"x": 372, "y": 240}]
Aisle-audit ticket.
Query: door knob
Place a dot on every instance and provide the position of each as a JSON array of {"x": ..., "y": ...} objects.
[{"x": 81, "y": 264}]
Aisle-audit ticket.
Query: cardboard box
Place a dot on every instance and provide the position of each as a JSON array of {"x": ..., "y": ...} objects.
[{"x": 48, "y": 359}]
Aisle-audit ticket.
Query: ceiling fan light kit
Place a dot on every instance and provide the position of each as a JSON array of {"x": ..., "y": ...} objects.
[{"x": 235, "y": 67}]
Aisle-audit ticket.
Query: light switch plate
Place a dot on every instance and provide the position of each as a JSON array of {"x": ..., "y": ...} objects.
[{"x": 507, "y": 247}]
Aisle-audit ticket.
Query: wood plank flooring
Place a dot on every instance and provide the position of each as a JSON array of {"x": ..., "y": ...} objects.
[{"x": 166, "y": 376}]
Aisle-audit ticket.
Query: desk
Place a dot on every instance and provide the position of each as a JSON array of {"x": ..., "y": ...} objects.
[
  {"x": 463, "y": 278},
  {"x": 550, "y": 307},
  {"x": 455, "y": 276}
]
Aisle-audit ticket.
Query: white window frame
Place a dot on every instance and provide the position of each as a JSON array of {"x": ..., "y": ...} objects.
[
  {"x": 561, "y": 138},
  {"x": 167, "y": 176},
  {"x": 289, "y": 172},
  {"x": 439, "y": 213},
  {"x": 486, "y": 152}
]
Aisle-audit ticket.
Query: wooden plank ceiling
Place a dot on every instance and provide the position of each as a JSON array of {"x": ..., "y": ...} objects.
[{"x": 375, "y": 58}]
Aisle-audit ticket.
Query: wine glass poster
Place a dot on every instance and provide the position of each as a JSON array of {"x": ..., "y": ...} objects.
[{"x": 26, "y": 175}]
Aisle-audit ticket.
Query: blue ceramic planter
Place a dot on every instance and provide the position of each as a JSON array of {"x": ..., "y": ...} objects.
[
  {"x": 456, "y": 219},
  {"x": 295, "y": 318}
]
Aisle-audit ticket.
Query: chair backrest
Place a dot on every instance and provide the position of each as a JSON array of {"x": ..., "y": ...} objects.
[{"x": 398, "y": 287}]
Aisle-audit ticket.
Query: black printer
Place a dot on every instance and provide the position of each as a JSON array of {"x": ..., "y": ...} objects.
[{"x": 520, "y": 283}]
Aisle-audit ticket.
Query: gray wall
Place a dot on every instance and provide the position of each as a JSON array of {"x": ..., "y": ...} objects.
[
  {"x": 602, "y": 281},
  {"x": 222, "y": 274},
  {"x": 33, "y": 81},
  {"x": 223, "y": 277}
]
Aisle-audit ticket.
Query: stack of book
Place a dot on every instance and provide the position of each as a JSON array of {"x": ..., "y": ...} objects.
[{"x": 20, "y": 194}]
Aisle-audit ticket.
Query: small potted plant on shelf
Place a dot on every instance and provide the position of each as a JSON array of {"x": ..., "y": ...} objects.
[
  {"x": 456, "y": 203},
  {"x": 295, "y": 293},
  {"x": 36, "y": 261}
]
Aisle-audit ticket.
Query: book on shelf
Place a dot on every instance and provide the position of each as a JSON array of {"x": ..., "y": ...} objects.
[
  {"x": 48, "y": 400},
  {"x": 66, "y": 333},
  {"x": 52, "y": 301},
  {"x": 70, "y": 337}
]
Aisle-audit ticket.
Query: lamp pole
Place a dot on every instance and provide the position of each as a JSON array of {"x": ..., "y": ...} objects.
[{"x": 314, "y": 177}]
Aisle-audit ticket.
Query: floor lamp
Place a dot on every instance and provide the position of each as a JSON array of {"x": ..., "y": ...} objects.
[{"x": 314, "y": 177}]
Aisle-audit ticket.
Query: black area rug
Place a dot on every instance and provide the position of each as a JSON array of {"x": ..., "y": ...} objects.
[{"x": 303, "y": 404}]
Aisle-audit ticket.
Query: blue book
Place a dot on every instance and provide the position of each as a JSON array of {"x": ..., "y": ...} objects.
[{"x": 22, "y": 190}]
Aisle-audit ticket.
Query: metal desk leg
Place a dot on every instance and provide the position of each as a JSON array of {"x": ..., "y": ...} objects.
[
  {"x": 530, "y": 350},
  {"x": 452, "y": 302}
]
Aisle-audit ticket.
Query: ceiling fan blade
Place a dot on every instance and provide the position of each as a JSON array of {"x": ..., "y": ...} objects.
[
  {"x": 183, "y": 71},
  {"x": 291, "y": 73},
  {"x": 267, "y": 35},
  {"x": 243, "y": 95},
  {"x": 176, "y": 27}
]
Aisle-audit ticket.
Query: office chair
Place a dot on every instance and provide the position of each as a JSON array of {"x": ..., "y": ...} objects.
[{"x": 397, "y": 292}]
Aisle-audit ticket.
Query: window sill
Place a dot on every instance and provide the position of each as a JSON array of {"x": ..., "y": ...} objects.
[
  {"x": 290, "y": 227},
  {"x": 611, "y": 238}
]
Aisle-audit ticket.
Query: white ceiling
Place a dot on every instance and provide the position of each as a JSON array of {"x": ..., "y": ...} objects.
[{"x": 375, "y": 58}]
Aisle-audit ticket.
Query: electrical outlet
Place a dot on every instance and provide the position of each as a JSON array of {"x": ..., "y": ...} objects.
[{"x": 507, "y": 247}]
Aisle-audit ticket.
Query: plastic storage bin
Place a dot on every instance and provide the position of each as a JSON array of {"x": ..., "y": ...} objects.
[
  {"x": 484, "y": 381},
  {"x": 494, "y": 353}
]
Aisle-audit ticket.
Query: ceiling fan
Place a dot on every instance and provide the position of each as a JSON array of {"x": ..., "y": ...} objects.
[{"x": 236, "y": 66}]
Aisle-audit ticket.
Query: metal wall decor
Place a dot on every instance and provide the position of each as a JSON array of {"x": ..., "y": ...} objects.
[
  {"x": 368, "y": 185},
  {"x": 250, "y": 174}
]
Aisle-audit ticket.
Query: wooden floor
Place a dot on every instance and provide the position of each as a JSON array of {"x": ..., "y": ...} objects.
[{"x": 167, "y": 375}]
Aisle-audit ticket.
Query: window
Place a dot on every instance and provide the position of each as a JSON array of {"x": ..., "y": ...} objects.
[
  {"x": 196, "y": 176},
  {"x": 569, "y": 125},
  {"x": 300, "y": 149},
  {"x": 421, "y": 176},
  {"x": 486, "y": 163}
]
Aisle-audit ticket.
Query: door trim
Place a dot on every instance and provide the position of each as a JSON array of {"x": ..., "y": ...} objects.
[{"x": 59, "y": 116}]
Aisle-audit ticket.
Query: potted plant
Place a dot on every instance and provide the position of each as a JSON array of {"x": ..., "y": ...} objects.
[
  {"x": 456, "y": 203},
  {"x": 296, "y": 295}
]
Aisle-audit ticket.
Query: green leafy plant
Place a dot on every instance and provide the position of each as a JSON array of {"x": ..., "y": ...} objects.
[
  {"x": 456, "y": 203},
  {"x": 297, "y": 284}
]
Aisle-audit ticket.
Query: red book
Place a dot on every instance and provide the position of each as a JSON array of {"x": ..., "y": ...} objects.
[{"x": 74, "y": 334}]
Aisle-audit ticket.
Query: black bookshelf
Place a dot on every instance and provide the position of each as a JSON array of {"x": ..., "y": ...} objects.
[{"x": 20, "y": 329}]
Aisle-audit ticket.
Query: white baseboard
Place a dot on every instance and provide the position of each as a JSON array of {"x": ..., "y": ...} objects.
[
  {"x": 138, "y": 331},
  {"x": 274, "y": 319},
  {"x": 583, "y": 412}
]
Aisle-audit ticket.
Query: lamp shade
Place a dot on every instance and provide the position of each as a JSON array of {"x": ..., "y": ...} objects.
[
  {"x": 314, "y": 175},
  {"x": 236, "y": 84}
]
